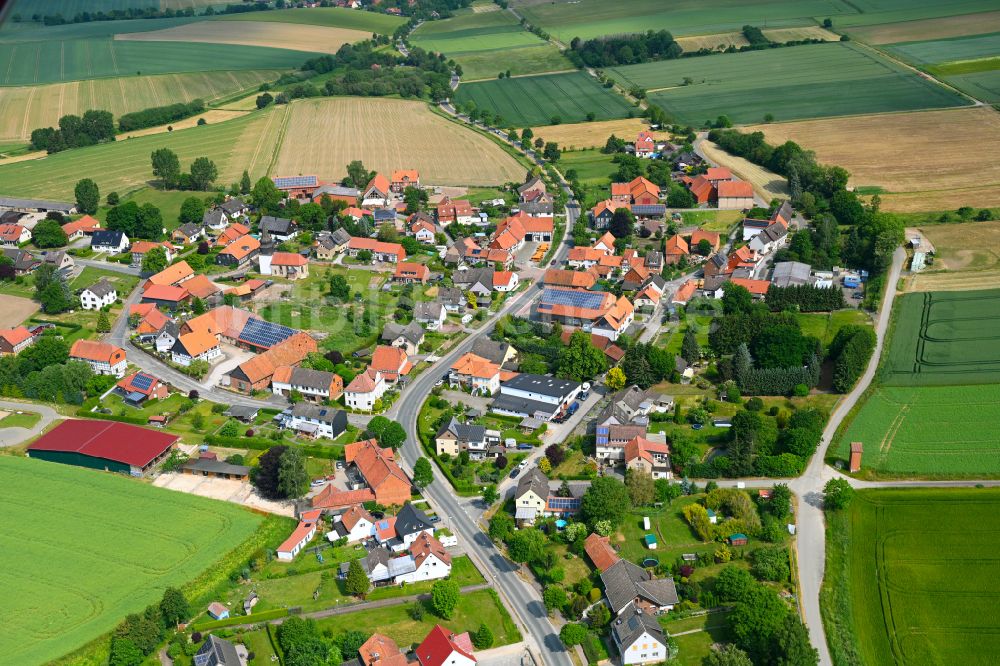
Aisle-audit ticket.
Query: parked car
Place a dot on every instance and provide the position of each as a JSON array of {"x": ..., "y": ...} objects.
[
  {"x": 514, "y": 472},
  {"x": 318, "y": 482},
  {"x": 435, "y": 519},
  {"x": 340, "y": 464},
  {"x": 524, "y": 446}
]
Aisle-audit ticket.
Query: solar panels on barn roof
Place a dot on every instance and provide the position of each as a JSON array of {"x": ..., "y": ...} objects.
[
  {"x": 261, "y": 333},
  {"x": 564, "y": 503},
  {"x": 293, "y": 182},
  {"x": 592, "y": 300}
]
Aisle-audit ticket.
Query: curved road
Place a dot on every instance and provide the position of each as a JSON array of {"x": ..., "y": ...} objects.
[
  {"x": 14, "y": 436},
  {"x": 521, "y": 596}
]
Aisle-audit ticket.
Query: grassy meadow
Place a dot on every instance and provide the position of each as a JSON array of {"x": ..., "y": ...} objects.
[
  {"x": 952, "y": 49},
  {"x": 489, "y": 42},
  {"x": 245, "y": 143},
  {"x": 788, "y": 83},
  {"x": 911, "y": 578},
  {"x": 546, "y": 100},
  {"x": 70, "y": 574}
]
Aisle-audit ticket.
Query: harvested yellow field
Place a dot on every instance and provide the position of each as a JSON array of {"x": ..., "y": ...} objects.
[
  {"x": 782, "y": 35},
  {"x": 722, "y": 40},
  {"x": 937, "y": 28},
  {"x": 323, "y": 135},
  {"x": 576, "y": 136},
  {"x": 966, "y": 256},
  {"x": 766, "y": 184},
  {"x": 24, "y": 108},
  {"x": 294, "y": 36},
  {"x": 928, "y": 160}
]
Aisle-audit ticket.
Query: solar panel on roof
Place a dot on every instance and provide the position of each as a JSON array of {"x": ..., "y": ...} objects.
[
  {"x": 563, "y": 502},
  {"x": 263, "y": 333},
  {"x": 295, "y": 181},
  {"x": 142, "y": 382},
  {"x": 577, "y": 299}
]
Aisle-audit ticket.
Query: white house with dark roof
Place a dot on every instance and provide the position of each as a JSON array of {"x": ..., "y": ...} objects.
[
  {"x": 114, "y": 242},
  {"x": 281, "y": 229},
  {"x": 429, "y": 314},
  {"x": 98, "y": 295},
  {"x": 537, "y": 396},
  {"x": 639, "y": 638}
]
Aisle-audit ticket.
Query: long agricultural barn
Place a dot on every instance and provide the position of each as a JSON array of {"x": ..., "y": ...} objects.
[{"x": 107, "y": 445}]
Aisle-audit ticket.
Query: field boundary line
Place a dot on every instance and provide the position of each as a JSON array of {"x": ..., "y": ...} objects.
[
  {"x": 279, "y": 142},
  {"x": 38, "y": 59},
  {"x": 27, "y": 111}
]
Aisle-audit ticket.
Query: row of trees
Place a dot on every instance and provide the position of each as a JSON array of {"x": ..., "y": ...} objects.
[
  {"x": 75, "y": 132},
  {"x": 159, "y": 115},
  {"x": 167, "y": 167},
  {"x": 624, "y": 49},
  {"x": 138, "y": 635},
  {"x": 135, "y": 221},
  {"x": 851, "y": 350}
]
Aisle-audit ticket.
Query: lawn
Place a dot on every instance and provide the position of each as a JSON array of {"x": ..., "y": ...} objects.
[
  {"x": 592, "y": 166},
  {"x": 473, "y": 610},
  {"x": 55, "y": 60},
  {"x": 546, "y": 100},
  {"x": 245, "y": 143},
  {"x": 824, "y": 325},
  {"x": 911, "y": 578},
  {"x": 305, "y": 309},
  {"x": 22, "y": 420},
  {"x": 926, "y": 431},
  {"x": 945, "y": 337},
  {"x": 697, "y": 636},
  {"x": 808, "y": 80},
  {"x": 70, "y": 574},
  {"x": 712, "y": 220},
  {"x": 487, "y": 43},
  {"x": 168, "y": 201}
]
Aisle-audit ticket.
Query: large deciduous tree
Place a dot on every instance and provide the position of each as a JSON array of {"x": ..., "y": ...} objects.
[{"x": 88, "y": 196}]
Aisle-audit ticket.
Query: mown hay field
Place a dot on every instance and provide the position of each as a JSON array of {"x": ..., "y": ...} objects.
[
  {"x": 767, "y": 184},
  {"x": 487, "y": 43},
  {"x": 25, "y": 108},
  {"x": 55, "y": 60},
  {"x": 84, "y": 548},
  {"x": 736, "y": 38},
  {"x": 945, "y": 338},
  {"x": 538, "y": 100},
  {"x": 936, "y": 28},
  {"x": 323, "y": 136},
  {"x": 310, "y": 38},
  {"x": 335, "y": 17},
  {"x": 591, "y": 135},
  {"x": 788, "y": 83},
  {"x": 965, "y": 257},
  {"x": 924, "y": 160},
  {"x": 245, "y": 143},
  {"x": 917, "y": 570}
]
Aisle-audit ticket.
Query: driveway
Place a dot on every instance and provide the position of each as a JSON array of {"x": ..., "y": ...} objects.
[
  {"x": 233, "y": 357},
  {"x": 227, "y": 490}
]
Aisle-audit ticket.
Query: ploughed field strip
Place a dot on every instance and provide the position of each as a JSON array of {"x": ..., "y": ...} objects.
[
  {"x": 946, "y": 338},
  {"x": 922, "y": 581}
]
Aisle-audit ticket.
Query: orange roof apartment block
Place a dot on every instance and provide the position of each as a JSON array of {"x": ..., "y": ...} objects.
[
  {"x": 380, "y": 471},
  {"x": 404, "y": 178}
]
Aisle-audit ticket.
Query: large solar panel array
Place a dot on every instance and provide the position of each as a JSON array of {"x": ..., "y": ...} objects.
[
  {"x": 578, "y": 299},
  {"x": 261, "y": 333},
  {"x": 142, "y": 381},
  {"x": 289, "y": 182}
]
